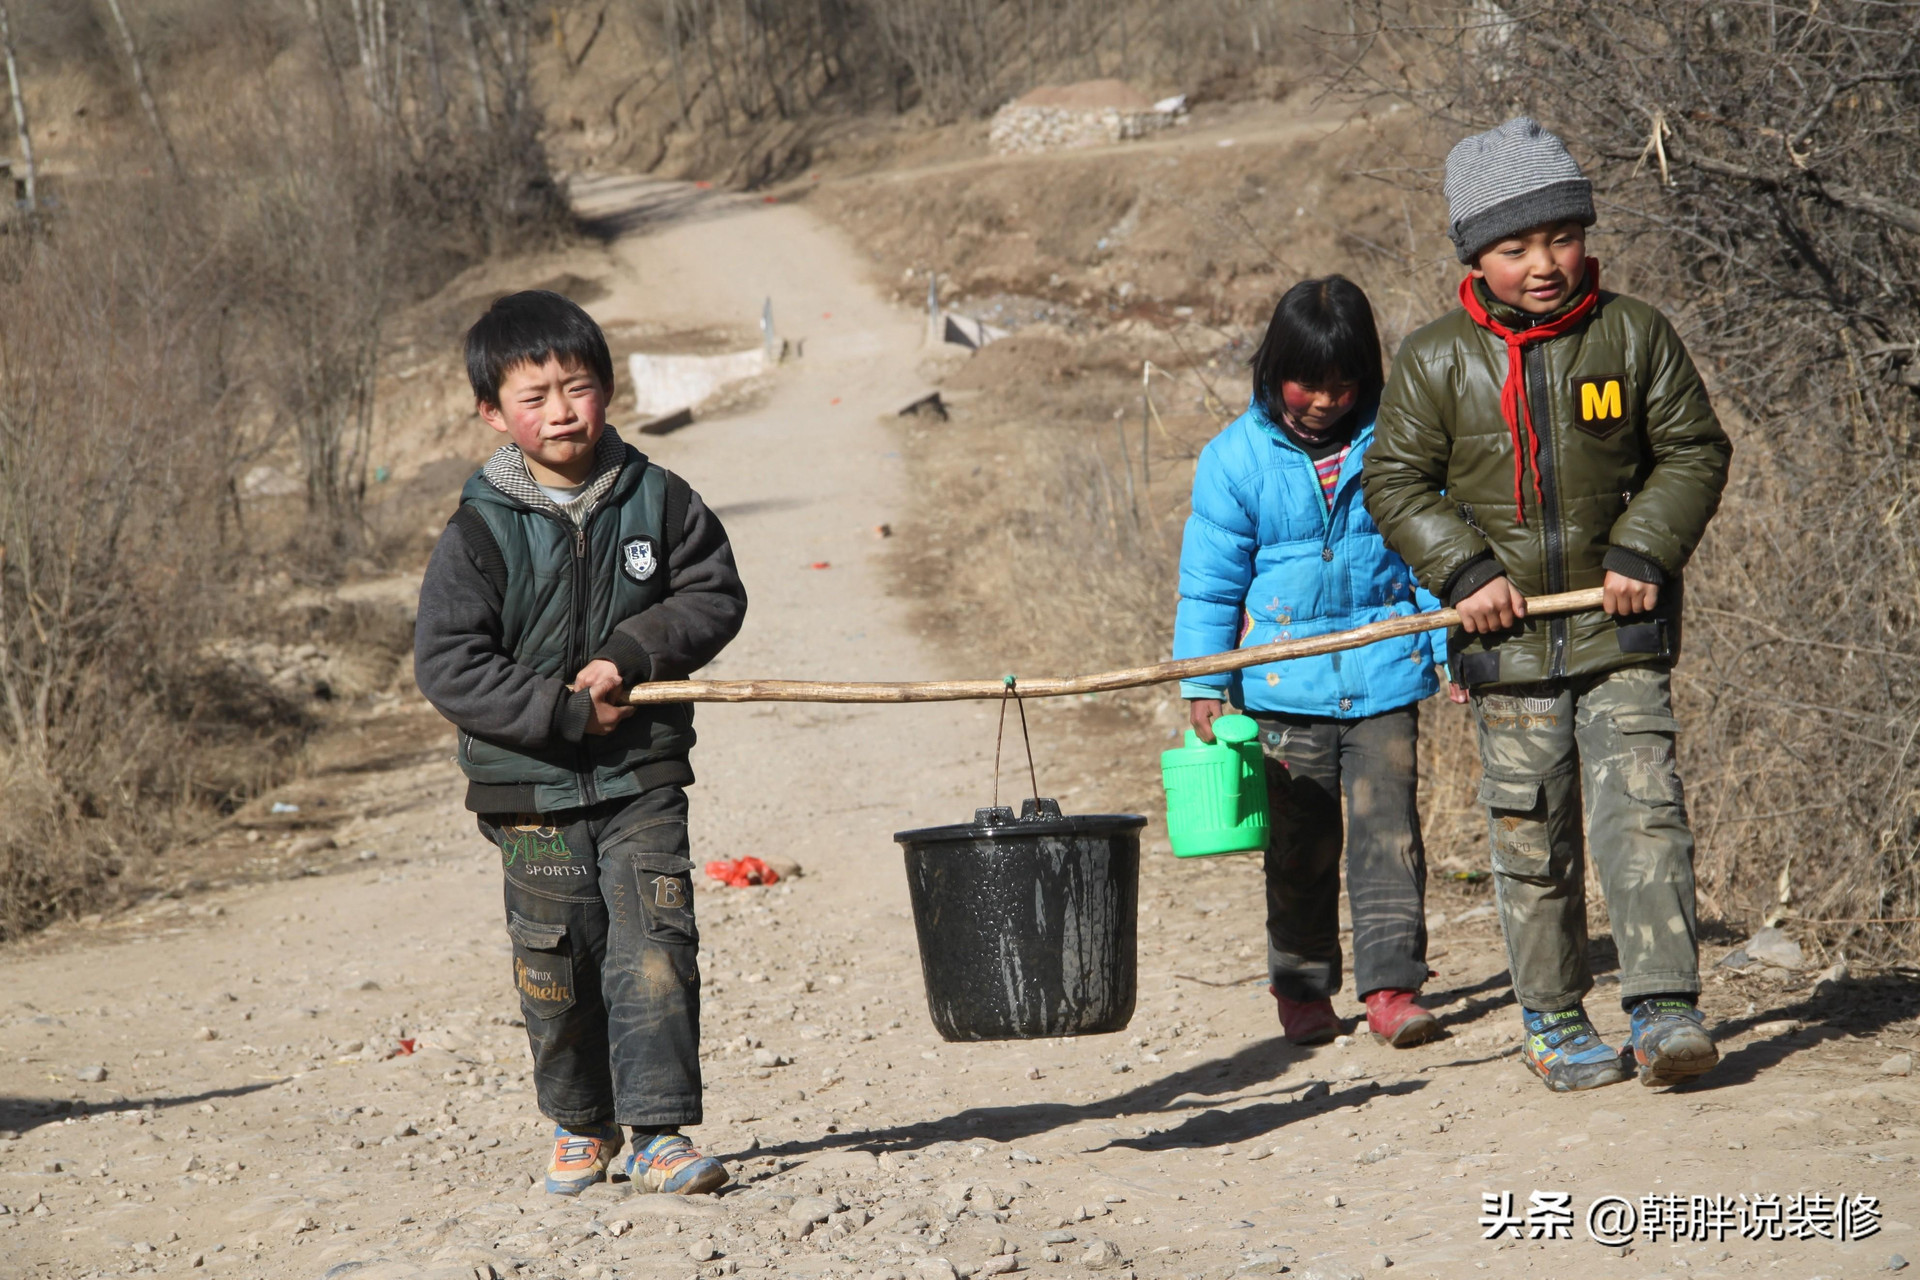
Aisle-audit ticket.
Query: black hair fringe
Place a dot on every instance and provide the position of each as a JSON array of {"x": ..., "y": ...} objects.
[
  {"x": 1322, "y": 331},
  {"x": 532, "y": 327}
]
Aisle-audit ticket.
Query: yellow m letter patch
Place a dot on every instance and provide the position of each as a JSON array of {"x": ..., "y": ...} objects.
[{"x": 1600, "y": 404}]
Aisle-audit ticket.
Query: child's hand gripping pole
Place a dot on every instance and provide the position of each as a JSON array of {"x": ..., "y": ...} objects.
[{"x": 1060, "y": 687}]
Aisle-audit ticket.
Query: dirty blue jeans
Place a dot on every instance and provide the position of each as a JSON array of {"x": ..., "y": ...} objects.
[
  {"x": 1606, "y": 739},
  {"x": 600, "y": 910},
  {"x": 1311, "y": 760}
]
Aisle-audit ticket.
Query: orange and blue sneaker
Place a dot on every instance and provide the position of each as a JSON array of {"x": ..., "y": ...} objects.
[
  {"x": 1669, "y": 1040},
  {"x": 667, "y": 1163},
  {"x": 581, "y": 1157},
  {"x": 1564, "y": 1050}
]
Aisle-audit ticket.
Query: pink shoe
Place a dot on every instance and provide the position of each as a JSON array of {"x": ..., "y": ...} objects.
[
  {"x": 1307, "y": 1022},
  {"x": 1396, "y": 1019}
]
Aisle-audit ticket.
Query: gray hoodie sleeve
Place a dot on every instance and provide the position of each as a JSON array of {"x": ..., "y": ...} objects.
[
  {"x": 461, "y": 664},
  {"x": 688, "y": 629}
]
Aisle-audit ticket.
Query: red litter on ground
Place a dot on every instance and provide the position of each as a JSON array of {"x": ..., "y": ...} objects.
[
  {"x": 742, "y": 873},
  {"x": 821, "y": 564},
  {"x": 401, "y": 1049},
  {"x": 769, "y": 199}
]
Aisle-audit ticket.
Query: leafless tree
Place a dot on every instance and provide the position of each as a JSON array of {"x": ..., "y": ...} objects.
[
  {"x": 141, "y": 87},
  {"x": 1754, "y": 168},
  {"x": 20, "y": 129}
]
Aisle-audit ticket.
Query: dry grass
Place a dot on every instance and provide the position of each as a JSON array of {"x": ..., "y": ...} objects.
[
  {"x": 166, "y": 329},
  {"x": 1796, "y": 715},
  {"x": 1778, "y": 222},
  {"x": 1031, "y": 560}
]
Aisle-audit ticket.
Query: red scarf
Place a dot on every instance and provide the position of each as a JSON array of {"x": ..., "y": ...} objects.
[{"x": 1513, "y": 397}]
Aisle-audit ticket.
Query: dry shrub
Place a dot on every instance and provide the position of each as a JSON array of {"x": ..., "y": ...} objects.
[
  {"x": 748, "y": 93},
  {"x": 1046, "y": 552},
  {"x": 1037, "y": 557},
  {"x": 112, "y": 480},
  {"x": 166, "y": 329},
  {"x": 1756, "y": 160},
  {"x": 1031, "y": 565}
]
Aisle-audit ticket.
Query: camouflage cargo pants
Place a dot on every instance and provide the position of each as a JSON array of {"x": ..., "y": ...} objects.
[{"x": 1609, "y": 738}]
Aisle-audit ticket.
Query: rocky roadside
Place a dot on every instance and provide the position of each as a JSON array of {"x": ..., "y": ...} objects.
[{"x": 334, "y": 1120}]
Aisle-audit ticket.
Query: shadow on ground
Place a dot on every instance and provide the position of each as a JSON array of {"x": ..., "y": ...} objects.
[
  {"x": 1256, "y": 1064},
  {"x": 1860, "y": 1006},
  {"x": 23, "y": 1114}
]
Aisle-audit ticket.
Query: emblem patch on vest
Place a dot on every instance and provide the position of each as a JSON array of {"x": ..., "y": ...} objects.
[
  {"x": 1599, "y": 404},
  {"x": 638, "y": 560}
]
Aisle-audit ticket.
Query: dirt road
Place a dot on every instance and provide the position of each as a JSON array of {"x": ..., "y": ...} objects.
[{"x": 223, "y": 1085}]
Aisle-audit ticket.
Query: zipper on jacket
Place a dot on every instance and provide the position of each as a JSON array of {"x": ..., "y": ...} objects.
[
  {"x": 1550, "y": 527},
  {"x": 1342, "y": 582},
  {"x": 577, "y": 642},
  {"x": 1343, "y": 598}
]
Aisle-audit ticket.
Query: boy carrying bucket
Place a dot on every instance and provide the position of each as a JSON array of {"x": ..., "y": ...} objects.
[
  {"x": 574, "y": 569},
  {"x": 1550, "y": 436},
  {"x": 1279, "y": 546}
]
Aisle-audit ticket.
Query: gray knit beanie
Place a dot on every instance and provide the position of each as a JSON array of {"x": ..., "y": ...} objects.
[{"x": 1508, "y": 179}]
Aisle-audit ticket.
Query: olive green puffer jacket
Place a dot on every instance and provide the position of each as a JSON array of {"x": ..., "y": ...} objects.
[{"x": 1631, "y": 466}]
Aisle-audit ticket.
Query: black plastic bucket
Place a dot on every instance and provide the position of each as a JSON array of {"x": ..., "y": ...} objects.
[{"x": 1027, "y": 925}]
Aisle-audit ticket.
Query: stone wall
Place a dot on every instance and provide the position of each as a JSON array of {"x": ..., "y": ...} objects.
[{"x": 1016, "y": 128}]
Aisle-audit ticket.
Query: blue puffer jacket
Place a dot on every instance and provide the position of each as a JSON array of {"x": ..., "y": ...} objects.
[{"x": 1264, "y": 560}]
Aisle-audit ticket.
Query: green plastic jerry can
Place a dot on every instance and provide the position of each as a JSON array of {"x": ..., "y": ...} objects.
[{"x": 1217, "y": 792}]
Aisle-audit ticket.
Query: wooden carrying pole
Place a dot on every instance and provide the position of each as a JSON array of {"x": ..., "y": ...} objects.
[{"x": 1056, "y": 687}]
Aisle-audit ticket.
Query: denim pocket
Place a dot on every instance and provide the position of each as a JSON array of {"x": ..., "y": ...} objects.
[
  {"x": 542, "y": 966},
  {"x": 666, "y": 895}
]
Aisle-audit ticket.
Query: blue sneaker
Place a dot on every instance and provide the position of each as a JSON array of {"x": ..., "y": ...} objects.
[
  {"x": 1563, "y": 1049},
  {"x": 1669, "y": 1040},
  {"x": 667, "y": 1163},
  {"x": 580, "y": 1158}
]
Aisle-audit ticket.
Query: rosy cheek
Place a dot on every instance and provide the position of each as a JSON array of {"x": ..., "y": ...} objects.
[{"x": 1297, "y": 401}]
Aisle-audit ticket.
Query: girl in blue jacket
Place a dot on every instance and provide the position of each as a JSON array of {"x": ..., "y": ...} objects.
[{"x": 1280, "y": 546}]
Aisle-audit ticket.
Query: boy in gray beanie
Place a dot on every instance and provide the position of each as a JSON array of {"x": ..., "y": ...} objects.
[{"x": 1548, "y": 437}]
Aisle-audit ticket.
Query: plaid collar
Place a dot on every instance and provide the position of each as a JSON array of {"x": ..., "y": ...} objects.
[{"x": 507, "y": 471}]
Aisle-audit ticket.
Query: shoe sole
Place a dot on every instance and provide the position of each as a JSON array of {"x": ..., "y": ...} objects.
[
  {"x": 1563, "y": 1085},
  {"x": 712, "y": 1181},
  {"x": 1312, "y": 1038},
  {"x": 574, "y": 1187},
  {"x": 1412, "y": 1032},
  {"x": 1672, "y": 1068}
]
